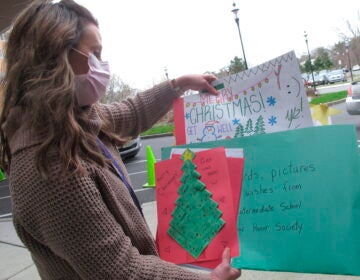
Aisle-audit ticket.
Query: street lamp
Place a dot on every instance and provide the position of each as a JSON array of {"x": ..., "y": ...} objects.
[
  {"x": 348, "y": 56},
  {"x": 235, "y": 11},
  {"x": 166, "y": 73},
  {"x": 311, "y": 68}
]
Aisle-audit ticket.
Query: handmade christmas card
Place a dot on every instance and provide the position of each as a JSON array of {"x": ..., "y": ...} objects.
[
  {"x": 267, "y": 98},
  {"x": 196, "y": 215}
]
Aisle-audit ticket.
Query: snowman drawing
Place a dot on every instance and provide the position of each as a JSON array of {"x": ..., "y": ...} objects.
[{"x": 209, "y": 132}]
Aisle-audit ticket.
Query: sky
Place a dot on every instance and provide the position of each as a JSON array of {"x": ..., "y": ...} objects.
[{"x": 143, "y": 37}]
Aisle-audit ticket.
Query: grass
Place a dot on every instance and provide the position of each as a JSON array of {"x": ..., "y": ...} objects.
[
  {"x": 329, "y": 97},
  {"x": 165, "y": 128}
]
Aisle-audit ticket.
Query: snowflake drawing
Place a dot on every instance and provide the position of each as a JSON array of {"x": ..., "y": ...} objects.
[
  {"x": 187, "y": 116},
  {"x": 235, "y": 121},
  {"x": 272, "y": 120},
  {"x": 271, "y": 101}
]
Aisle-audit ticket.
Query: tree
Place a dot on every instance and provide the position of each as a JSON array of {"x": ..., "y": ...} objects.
[
  {"x": 236, "y": 65},
  {"x": 352, "y": 29},
  {"x": 350, "y": 33},
  {"x": 117, "y": 90},
  {"x": 239, "y": 132},
  {"x": 259, "y": 126},
  {"x": 354, "y": 50},
  {"x": 323, "y": 60},
  {"x": 196, "y": 218},
  {"x": 249, "y": 127},
  {"x": 307, "y": 66}
]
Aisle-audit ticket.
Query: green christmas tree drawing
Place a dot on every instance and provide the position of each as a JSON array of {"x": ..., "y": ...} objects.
[
  {"x": 259, "y": 126},
  {"x": 239, "y": 132},
  {"x": 196, "y": 219},
  {"x": 249, "y": 127}
]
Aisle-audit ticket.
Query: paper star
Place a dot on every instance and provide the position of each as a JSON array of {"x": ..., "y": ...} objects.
[
  {"x": 187, "y": 155},
  {"x": 322, "y": 112}
]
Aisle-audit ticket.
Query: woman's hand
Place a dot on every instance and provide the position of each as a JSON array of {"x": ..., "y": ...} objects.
[
  {"x": 224, "y": 271},
  {"x": 195, "y": 82}
]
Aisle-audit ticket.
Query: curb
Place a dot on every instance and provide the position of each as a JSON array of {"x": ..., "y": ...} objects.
[
  {"x": 157, "y": 135},
  {"x": 336, "y": 102}
]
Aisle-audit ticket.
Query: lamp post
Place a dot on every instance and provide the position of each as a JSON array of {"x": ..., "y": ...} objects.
[
  {"x": 235, "y": 12},
  {"x": 311, "y": 68},
  {"x": 166, "y": 73},
  {"x": 348, "y": 56}
]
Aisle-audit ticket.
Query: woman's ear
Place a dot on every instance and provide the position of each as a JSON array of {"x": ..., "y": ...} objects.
[{"x": 79, "y": 62}]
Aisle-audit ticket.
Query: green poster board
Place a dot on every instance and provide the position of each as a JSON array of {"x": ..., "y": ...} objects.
[{"x": 300, "y": 202}]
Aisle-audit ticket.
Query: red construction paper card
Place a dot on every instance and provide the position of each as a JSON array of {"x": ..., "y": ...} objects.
[
  {"x": 178, "y": 106},
  {"x": 236, "y": 167},
  {"x": 213, "y": 167}
]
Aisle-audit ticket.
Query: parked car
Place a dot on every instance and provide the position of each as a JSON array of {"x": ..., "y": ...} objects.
[
  {"x": 325, "y": 74},
  {"x": 353, "y": 99},
  {"x": 306, "y": 79},
  {"x": 337, "y": 76},
  {"x": 356, "y": 67},
  {"x": 321, "y": 79},
  {"x": 130, "y": 149}
]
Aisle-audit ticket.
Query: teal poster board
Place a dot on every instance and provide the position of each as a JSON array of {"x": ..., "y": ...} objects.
[{"x": 300, "y": 202}]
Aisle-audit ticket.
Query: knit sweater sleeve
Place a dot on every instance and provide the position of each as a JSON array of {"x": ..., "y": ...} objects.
[
  {"x": 75, "y": 223},
  {"x": 132, "y": 116}
]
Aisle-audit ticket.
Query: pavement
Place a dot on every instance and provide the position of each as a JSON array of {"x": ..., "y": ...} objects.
[{"x": 16, "y": 262}]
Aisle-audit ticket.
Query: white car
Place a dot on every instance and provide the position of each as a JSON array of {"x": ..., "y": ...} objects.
[{"x": 353, "y": 99}]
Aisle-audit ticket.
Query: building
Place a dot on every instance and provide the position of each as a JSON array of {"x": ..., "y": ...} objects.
[{"x": 8, "y": 10}]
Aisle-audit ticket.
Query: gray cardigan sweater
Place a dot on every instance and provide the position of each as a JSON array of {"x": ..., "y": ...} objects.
[{"x": 87, "y": 227}]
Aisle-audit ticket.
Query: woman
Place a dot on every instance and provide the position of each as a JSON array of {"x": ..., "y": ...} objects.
[{"x": 73, "y": 206}]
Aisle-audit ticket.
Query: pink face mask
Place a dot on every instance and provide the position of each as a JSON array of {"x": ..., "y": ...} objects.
[{"x": 90, "y": 87}]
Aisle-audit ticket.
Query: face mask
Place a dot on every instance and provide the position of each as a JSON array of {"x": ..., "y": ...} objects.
[{"x": 90, "y": 87}]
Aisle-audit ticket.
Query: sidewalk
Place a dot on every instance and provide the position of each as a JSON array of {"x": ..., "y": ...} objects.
[{"x": 16, "y": 263}]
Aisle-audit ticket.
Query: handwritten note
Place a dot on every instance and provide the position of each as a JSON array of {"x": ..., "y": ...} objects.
[
  {"x": 263, "y": 99},
  {"x": 300, "y": 210},
  {"x": 212, "y": 165},
  {"x": 300, "y": 201}
]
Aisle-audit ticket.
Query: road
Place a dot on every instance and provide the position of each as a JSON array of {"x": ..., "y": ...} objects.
[
  {"x": 137, "y": 167},
  {"x": 345, "y": 118}
]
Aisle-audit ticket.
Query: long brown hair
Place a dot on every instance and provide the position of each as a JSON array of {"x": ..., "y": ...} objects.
[{"x": 40, "y": 81}]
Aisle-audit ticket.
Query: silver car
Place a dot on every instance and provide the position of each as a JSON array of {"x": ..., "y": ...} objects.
[
  {"x": 337, "y": 76},
  {"x": 353, "y": 99},
  {"x": 130, "y": 149}
]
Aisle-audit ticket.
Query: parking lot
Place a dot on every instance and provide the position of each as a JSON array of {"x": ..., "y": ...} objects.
[{"x": 137, "y": 168}]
